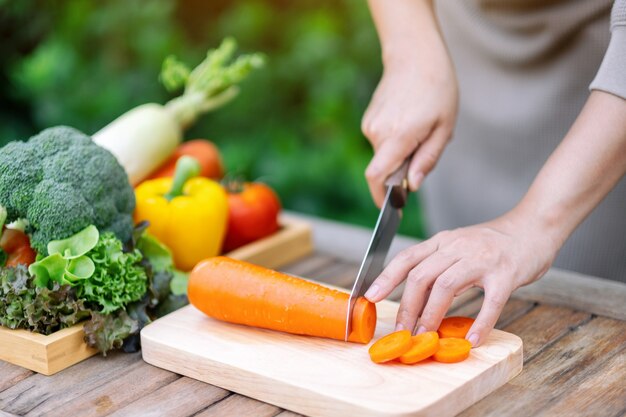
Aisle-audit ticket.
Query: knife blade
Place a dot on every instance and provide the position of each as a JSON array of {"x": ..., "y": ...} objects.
[{"x": 384, "y": 232}]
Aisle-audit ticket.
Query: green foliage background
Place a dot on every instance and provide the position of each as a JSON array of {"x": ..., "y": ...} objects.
[{"x": 296, "y": 124}]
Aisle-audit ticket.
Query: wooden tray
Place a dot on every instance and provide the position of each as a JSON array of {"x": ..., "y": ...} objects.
[
  {"x": 321, "y": 377},
  {"x": 50, "y": 354}
]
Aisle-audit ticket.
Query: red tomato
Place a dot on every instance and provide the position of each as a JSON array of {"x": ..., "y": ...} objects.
[
  {"x": 203, "y": 150},
  {"x": 17, "y": 247},
  {"x": 252, "y": 214}
]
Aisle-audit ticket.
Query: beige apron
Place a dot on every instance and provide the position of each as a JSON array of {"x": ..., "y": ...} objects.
[{"x": 524, "y": 69}]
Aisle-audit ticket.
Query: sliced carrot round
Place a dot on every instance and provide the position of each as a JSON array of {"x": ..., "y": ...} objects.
[
  {"x": 424, "y": 346},
  {"x": 452, "y": 349},
  {"x": 455, "y": 327},
  {"x": 391, "y": 346}
]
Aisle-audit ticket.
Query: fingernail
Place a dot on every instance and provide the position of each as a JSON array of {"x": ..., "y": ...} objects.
[
  {"x": 399, "y": 327},
  {"x": 416, "y": 180},
  {"x": 421, "y": 330},
  {"x": 372, "y": 292},
  {"x": 473, "y": 339}
]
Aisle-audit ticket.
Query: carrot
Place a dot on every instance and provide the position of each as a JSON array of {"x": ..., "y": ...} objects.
[
  {"x": 455, "y": 327},
  {"x": 391, "y": 346},
  {"x": 424, "y": 346},
  {"x": 243, "y": 293},
  {"x": 203, "y": 150},
  {"x": 452, "y": 349}
]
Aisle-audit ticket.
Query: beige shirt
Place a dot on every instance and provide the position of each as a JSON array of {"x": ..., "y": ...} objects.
[{"x": 524, "y": 69}]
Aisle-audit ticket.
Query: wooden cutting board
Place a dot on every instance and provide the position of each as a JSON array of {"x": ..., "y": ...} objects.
[{"x": 321, "y": 377}]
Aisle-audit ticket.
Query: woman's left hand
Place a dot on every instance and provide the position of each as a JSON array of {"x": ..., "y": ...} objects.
[{"x": 498, "y": 256}]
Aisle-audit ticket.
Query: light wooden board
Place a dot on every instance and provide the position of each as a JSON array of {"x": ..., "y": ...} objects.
[
  {"x": 50, "y": 354},
  {"x": 321, "y": 377}
]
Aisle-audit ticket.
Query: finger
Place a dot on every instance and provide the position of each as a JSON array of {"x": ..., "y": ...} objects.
[
  {"x": 414, "y": 296},
  {"x": 446, "y": 286},
  {"x": 398, "y": 269},
  {"x": 495, "y": 299},
  {"x": 427, "y": 155},
  {"x": 388, "y": 157}
]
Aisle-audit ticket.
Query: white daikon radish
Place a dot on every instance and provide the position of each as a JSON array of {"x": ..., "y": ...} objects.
[{"x": 144, "y": 137}]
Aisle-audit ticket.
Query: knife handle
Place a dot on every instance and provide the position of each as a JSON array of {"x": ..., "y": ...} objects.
[
  {"x": 399, "y": 177},
  {"x": 399, "y": 185}
]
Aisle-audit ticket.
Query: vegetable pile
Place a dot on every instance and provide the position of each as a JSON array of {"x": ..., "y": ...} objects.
[
  {"x": 446, "y": 345},
  {"x": 79, "y": 244},
  {"x": 71, "y": 251}
]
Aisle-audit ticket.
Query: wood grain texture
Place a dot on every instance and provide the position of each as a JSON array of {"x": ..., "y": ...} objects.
[
  {"x": 138, "y": 380},
  {"x": 239, "y": 405},
  {"x": 322, "y": 377},
  {"x": 566, "y": 365},
  {"x": 183, "y": 397},
  {"x": 11, "y": 374},
  {"x": 570, "y": 289},
  {"x": 544, "y": 325},
  {"x": 38, "y": 393}
]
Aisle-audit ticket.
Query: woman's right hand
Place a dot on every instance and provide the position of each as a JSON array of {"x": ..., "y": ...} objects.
[{"x": 413, "y": 109}]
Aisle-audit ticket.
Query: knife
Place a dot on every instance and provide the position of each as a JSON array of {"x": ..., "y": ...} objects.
[{"x": 386, "y": 228}]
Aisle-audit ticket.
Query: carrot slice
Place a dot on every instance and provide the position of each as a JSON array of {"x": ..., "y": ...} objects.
[
  {"x": 452, "y": 349},
  {"x": 455, "y": 327},
  {"x": 243, "y": 293},
  {"x": 391, "y": 346},
  {"x": 424, "y": 346}
]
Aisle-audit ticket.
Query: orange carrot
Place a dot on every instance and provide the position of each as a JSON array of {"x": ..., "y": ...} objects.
[
  {"x": 203, "y": 150},
  {"x": 452, "y": 349},
  {"x": 424, "y": 346},
  {"x": 455, "y": 327},
  {"x": 243, "y": 293},
  {"x": 391, "y": 346}
]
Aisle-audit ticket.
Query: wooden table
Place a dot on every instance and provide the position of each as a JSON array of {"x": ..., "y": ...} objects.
[{"x": 573, "y": 328}]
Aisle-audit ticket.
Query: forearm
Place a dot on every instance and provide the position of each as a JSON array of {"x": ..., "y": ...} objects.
[
  {"x": 407, "y": 29},
  {"x": 580, "y": 173}
]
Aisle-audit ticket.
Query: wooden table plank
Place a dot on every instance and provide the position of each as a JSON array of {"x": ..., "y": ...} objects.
[
  {"x": 570, "y": 289},
  {"x": 47, "y": 392},
  {"x": 562, "y": 367},
  {"x": 183, "y": 397},
  {"x": 287, "y": 413},
  {"x": 139, "y": 380},
  {"x": 11, "y": 374},
  {"x": 599, "y": 394},
  {"x": 544, "y": 325},
  {"x": 239, "y": 405}
]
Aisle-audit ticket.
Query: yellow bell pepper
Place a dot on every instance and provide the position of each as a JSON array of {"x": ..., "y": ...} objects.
[{"x": 189, "y": 215}]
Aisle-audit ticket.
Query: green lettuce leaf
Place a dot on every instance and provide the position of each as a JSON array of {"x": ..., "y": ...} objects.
[{"x": 24, "y": 305}]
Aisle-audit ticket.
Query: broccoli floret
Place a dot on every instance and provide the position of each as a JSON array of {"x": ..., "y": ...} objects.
[{"x": 61, "y": 182}]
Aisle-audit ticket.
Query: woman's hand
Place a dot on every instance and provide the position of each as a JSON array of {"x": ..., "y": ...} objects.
[
  {"x": 498, "y": 256},
  {"x": 414, "y": 107}
]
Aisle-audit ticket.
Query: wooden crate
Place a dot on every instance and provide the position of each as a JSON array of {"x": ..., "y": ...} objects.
[{"x": 51, "y": 354}]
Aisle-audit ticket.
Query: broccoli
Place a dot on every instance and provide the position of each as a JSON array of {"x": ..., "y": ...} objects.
[{"x": 60, "y": 182}]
